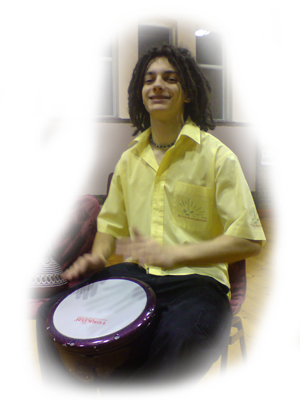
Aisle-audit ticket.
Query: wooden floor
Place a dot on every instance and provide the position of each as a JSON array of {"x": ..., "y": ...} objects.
[{"x": 271, "y": 319}]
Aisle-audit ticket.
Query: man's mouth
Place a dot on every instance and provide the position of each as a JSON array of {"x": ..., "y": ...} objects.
[{"x": 159, "y": 97}]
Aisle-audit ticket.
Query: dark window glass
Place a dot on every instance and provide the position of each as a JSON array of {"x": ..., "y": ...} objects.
[
  {"x": 149, "y": 36},
  {"x": 215, "y": 77},
  {"x": 209, "y": 49},
  {"x": 94, "y": 40},
  {"x": 95, "y": 95}
]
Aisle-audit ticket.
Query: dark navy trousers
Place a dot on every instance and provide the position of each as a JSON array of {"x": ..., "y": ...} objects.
[{"x": 193, "y": 327}]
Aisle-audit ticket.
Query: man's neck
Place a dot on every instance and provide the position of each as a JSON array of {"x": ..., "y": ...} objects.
[{"x": 165, "y": 132}]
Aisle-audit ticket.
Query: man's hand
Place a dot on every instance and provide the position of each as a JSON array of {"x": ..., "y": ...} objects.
[
  {"x": 86, "y": 264},
  {"x": 221, "y": 249},
  {"x": 145, "y": 250}
]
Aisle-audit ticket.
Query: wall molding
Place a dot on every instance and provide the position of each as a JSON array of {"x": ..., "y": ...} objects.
[{"x": 25, "y": 120}]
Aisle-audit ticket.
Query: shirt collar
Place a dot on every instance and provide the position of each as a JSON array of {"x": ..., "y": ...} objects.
[
  {"x": 141, "y": 139},
  {"x": 189, "y": 129}
]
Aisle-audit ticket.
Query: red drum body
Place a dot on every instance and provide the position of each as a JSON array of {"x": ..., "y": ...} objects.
[{"x": 103, "y": 328}]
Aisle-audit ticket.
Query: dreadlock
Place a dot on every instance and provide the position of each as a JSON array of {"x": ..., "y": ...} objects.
[{"x": 192, "y": 80}]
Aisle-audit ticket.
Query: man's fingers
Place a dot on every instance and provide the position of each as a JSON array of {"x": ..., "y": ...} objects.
[
  {"x": 75, "y": 270},
  {"x": 127, "y": 244},
  {"x": 83, "y": 265}
]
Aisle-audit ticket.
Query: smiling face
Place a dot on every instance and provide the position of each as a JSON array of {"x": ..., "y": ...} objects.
[{"x": 162, "y": 93}]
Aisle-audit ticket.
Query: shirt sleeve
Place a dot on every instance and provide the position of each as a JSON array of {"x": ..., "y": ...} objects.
[
  {"x": 234, "y": 201},
  {"x": 112, "y": 218}
]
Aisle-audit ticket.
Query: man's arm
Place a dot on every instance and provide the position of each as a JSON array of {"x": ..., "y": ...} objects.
[
  {"x": 103, "y": 248},
  {"x": 223, "y": 248},
  {"x": 103, "y": 244}
]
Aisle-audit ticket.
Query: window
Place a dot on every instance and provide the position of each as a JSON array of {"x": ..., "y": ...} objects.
[
  {"x": 150, "y": 35},
  {"x": 211, "y": 58},
  {"x": 95, "y": 70}
]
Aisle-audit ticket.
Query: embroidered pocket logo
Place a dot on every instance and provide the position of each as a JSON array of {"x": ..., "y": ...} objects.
[{"x": 190, "y": 210}]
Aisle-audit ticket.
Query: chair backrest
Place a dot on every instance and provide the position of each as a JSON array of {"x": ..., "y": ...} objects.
[
  {"x": 109, "y": 182},
  {"x": 79, "y": 235},
  {"x": 238, "y": 283}
]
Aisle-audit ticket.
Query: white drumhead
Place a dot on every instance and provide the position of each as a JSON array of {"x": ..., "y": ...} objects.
[{"x": 100, "y": 309}]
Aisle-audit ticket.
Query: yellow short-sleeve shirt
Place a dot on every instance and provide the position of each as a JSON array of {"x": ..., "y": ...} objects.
[{"x": 198, "y": 192}]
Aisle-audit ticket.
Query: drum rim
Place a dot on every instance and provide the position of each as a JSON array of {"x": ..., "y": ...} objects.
[{"x": 107, "y": 342}]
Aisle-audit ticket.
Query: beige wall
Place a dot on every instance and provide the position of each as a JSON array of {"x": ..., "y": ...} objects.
[
  {"x": 40, "y": 75},
  {"x": 38, "y": 78},
  {"x": 86, "y": 153}
]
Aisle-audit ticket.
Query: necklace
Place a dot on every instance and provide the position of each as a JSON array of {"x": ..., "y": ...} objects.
[{"x": 161, "y": 147}]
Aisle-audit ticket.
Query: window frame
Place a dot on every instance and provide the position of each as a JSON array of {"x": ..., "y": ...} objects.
[
  {"x": 168, "y": 24},
  {"x": 113, "y": 61},
  {"x": 226, "y": 85}
]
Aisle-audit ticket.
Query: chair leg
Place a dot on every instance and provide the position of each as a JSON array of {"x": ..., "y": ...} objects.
[
  {"x": 223, "y": 370},
  {"x": 11, "y": 332}
]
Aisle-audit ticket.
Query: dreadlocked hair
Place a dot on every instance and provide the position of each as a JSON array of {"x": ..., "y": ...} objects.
[{"x": 192, "y": 80}]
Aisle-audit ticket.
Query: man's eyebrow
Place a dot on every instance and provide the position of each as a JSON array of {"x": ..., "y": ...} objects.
[{"x": 165, "y": 72}]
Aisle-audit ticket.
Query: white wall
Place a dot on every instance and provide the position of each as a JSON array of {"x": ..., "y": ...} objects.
[
  {"x": 282, "y": 102},
  {"x": 90, "y": 152},
  {"x": 293, "y": 175}
]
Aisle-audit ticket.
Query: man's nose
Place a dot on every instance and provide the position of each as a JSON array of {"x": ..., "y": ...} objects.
[{"x": 158, "y": 83}]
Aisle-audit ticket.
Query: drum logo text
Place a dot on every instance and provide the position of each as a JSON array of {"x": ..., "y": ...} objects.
[{"x": 87, "y": 320}]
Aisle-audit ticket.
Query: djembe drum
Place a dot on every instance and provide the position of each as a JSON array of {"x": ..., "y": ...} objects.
[{"x": 103, "y": 329}]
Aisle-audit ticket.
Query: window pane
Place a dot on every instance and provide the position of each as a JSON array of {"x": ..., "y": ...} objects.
[
  {"x": 95, "y": 95},
  {"x": 94, "y": 40},
  {"x": 150, "y": 36},
  {"x": 215, "y": 77},
  {"x": 209, "y": 49}
]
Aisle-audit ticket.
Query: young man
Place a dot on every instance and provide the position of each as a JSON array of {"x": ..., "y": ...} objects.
[{"x": 179, "y": 207}]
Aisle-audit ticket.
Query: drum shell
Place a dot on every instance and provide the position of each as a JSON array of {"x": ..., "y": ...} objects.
[{"x": 108, "y": 355}]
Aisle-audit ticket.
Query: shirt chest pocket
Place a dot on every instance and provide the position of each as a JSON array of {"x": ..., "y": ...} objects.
[{"x": 192, "y": 206}]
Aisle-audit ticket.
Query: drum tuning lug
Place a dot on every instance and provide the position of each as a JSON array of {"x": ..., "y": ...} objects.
[
  {"x": 71, "y": 344},
  {"x": 117, "y": 337},
  {"x": 48, "y": 327}
]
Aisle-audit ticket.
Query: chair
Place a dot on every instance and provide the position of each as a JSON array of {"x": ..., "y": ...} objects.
[{"x": 237, "y": 278}]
